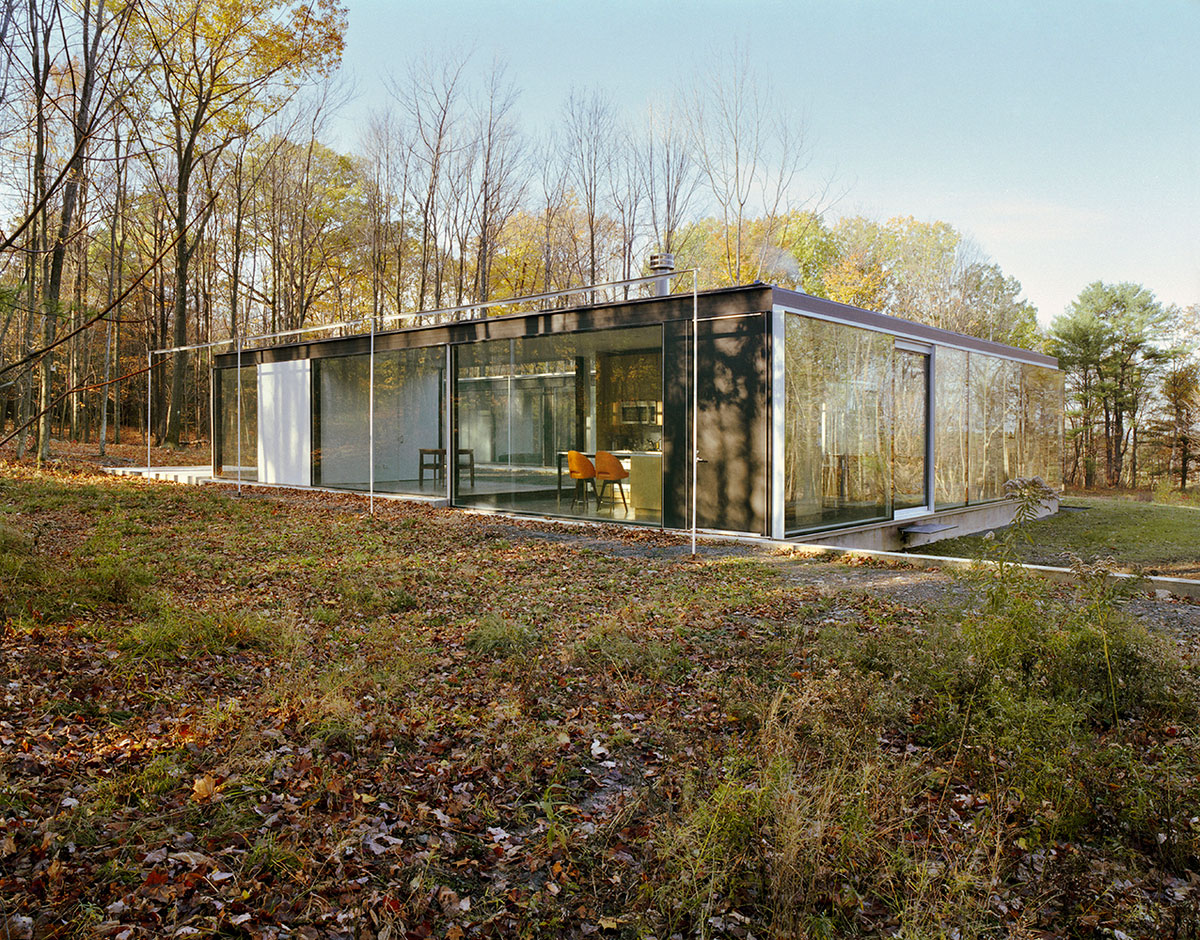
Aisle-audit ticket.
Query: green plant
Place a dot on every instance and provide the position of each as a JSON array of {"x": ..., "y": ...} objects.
[{"x": 499, "y": 635}]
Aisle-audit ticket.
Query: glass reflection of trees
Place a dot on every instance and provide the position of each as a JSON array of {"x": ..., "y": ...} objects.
[
  {"x": 838, "y": 425},
  {"x": 854, "y": 441},
  {"x": 910, "y": 438},
  {"x": 226, "y": 456}
]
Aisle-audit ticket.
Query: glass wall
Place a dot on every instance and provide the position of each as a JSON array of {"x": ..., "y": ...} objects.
[
  {"x": 226, "y": 458},
  {"x": 909, "y": 440},
  {"x": 995, "y": 420},
  {"x": 852, "y": 401},
  {"x": 1041, "y": 424},
  {"x": 993, "y": 402},
  {"x": 409, "y": 427},
  {"x": 838, "y": 424},
  {"x": 950, "y": 419},
  {"x": 522, "y": 404}
]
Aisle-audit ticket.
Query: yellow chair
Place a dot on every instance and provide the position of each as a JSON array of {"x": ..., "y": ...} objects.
[
  {"x": 581, "y": 470},
  {"x": 609, "y": 470}
]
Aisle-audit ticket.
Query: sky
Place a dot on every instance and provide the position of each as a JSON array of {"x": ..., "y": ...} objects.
[{"x": 1061, "y": 137}]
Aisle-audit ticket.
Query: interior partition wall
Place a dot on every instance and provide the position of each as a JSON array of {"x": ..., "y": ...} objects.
[{"x": 521, "y": 405}]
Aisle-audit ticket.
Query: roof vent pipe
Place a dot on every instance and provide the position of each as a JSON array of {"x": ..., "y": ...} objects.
[{"x": 662, "y": 262}]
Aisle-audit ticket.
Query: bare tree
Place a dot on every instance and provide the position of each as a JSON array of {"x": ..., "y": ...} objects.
[
  {"x": 589, "y": 144},
  {"x": 750, "y": 152},
  {"x": 430, "y": 97},
  {"x": 213, "y": 73},
  {"x": 390, "y": 157},
  {"x": 627, "y": 192},
  {"x": 502, "y": 172},
  {"x": 671, "y": 175},
  {"x": 99, "y": 34}
]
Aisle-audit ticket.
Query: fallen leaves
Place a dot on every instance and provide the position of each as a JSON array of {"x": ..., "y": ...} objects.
[
  {"x": 204, "y": 788},
  {"x": 374, "y": 776}
]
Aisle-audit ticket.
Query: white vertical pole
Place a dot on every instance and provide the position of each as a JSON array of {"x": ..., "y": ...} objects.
[
  {"x": 371, "y": 411},
  {"x": 449, "y": 442},
  {"x": 149, "y": 379},
  {"x": 695, "y": 399},
  {"x": 239, "y": 415}
]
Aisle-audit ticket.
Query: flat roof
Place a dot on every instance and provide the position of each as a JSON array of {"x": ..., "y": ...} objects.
[{"x": 643, "y": 311}]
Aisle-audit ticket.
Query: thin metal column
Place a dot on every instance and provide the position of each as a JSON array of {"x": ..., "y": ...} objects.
[
  {"x": 239, "y": 415},
  {"x": 371, "y": 418},
  {"x": 149, "y": 398},
  {"x": 695, "y": 401}
]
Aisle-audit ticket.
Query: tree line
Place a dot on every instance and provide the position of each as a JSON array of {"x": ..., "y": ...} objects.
[
  {"x": 1133, "y": 387},
  {"x": 170, "y": 182}
]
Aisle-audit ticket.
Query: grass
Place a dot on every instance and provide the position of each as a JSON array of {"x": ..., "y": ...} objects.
[
  {"x": 1149, "y": 537},
  {"x": 408, "y": 725}
]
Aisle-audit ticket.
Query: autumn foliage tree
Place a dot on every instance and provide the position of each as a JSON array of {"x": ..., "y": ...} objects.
[{"x": 218, "y": 66}]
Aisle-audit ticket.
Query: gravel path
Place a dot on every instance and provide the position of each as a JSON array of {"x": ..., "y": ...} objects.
[{"x": 915, "y": 587}]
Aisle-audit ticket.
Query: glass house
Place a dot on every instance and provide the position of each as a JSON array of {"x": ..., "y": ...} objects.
[{"x": 811, "y": 417}]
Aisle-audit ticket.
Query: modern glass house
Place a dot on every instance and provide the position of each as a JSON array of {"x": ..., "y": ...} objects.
[{"x": 812, "y": 418}]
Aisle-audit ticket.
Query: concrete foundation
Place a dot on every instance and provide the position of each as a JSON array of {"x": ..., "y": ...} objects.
[{"x": 891, "y": 537}]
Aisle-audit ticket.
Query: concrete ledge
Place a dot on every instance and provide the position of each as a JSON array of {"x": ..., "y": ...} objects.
[
  {"x": 1179, "y": 587},
  {"x": 890, "y": 536},
  {"x": 438, "y": 501},
  {"x": 188, "y": 475}
]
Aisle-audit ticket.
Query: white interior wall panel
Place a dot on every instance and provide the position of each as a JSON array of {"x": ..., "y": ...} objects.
[{"x": 285, "y": 423}]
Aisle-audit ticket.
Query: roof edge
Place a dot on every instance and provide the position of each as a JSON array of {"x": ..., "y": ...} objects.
[{"x": 908, "y": 329}]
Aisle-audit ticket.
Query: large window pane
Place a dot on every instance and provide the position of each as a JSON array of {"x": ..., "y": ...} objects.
[
  {"x": 522, "y": 404},
  {"x": 226, "y": 456},
  {"x": 950, "y": 428},
  {"x": 341, "y": 431},
  {"x": 838, "y": 418},
  {"x": 909, "y": 439},
  {"x": 409, "y": 434},
  {"x": 994, "y": 409},
  {"x": 1042, "y": 423}
]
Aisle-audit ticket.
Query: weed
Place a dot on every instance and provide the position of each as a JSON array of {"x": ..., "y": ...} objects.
[
  {"x": 630, "y": 651},
  {"x": 267, "y": 857},
  {"x": 495, "y": 634},
  {"x": 178, "y": 632}
]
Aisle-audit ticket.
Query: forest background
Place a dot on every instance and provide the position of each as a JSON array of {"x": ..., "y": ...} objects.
[{"x": 167, "y": 181}]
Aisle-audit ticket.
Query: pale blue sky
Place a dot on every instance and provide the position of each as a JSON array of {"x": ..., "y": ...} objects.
[{"x": 1062, "y": 137}]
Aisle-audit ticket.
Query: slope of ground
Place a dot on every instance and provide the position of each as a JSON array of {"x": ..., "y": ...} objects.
[{"x": 276, "y": 716}]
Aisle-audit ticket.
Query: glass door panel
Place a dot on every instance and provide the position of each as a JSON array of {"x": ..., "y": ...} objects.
[{"x": 909, "y": 442}]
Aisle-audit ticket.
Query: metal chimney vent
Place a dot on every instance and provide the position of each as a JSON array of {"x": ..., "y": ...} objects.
[{"x": 662, "y": 262}]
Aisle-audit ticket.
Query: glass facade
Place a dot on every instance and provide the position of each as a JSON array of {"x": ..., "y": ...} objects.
[
  {"x": 909, "y": 440},
  {"x": 226, "y": 458},
  {"x": 1042, "y": 423},
  {"x": 492, "y": 424},
  {"x": 950, "y": 420},
  {"x": 994, "y": 403},
  {"x": 409, "y": 426},
  {"x": 523, "y": 404},
  {"x": 857, "y": 425},
  {"x": 838, "y": 424}
]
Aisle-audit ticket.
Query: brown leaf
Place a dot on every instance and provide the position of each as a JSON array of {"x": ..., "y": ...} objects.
[{"x": 204, "y": 788}]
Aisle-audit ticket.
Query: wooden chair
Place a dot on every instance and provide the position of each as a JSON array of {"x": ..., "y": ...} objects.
[
  {"x": 581, "y": 470},
  {"x": 609, "y": 470}
]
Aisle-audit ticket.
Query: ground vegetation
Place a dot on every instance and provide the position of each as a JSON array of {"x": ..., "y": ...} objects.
[{"x": 280, "y": 716}]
